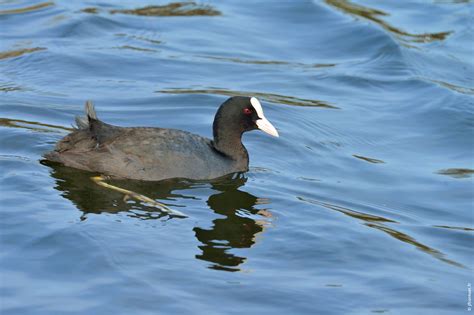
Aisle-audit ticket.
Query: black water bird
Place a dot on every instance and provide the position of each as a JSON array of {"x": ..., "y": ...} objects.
[{"x": 146, "y": 153}]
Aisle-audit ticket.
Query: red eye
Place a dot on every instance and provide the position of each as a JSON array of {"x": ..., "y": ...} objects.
[{"x": 247, "y": 111}]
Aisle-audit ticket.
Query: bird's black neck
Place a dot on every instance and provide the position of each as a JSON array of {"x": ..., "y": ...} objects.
[{"x": 228, "y": 141}]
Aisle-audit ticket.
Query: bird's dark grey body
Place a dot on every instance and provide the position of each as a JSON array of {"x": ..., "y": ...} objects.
[
  {"x": 153, "y": 154},
  {"x": 145, "y": 154}
]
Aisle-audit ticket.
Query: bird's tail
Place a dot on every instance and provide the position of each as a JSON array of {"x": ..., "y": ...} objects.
[{"x": 83, "y": 122}]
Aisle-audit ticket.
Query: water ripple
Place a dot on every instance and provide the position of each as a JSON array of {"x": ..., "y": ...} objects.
[
  {"x": 367, "y": 159},
  {"x": 269, "y": 62},
  {"x": 457, "y": 172},
  {"x": 172, "y": 9},
  {"x": 32, "y": 125},
  {"x": 269, "y": 97},
  {"x": 373, "y": 15},
  {"x": 27, "y": 9},
  {"x": 378, "y": 222},
  {"x": 453, "y": 87},
  {"x": 19, "y": 52}
]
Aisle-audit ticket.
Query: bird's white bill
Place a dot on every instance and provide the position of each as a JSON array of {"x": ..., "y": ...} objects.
[{"x": 264, "y": 125}]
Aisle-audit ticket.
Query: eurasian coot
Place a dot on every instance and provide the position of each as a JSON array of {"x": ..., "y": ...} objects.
[{"x": 146, "y": 153}]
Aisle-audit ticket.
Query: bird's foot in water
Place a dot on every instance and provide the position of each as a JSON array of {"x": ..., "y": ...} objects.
[{"x": 128, "y": 194}]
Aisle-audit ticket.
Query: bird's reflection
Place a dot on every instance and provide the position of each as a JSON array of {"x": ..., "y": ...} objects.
[
  {"x": 237, "y": 226},
  {"x": 237, "y": 229}
]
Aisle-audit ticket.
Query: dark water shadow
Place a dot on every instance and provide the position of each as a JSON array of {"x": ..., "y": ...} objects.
[
  {"x": 236, "y": 226},
  {"x": 368, "y": 159},
  {"x": 77, "y": 186},
  {"x": 237, "y": 229},
  {"x": 456, "y": 172}
]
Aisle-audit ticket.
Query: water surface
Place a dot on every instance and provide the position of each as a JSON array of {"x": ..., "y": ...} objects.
[{"x": 363, "y": 205}]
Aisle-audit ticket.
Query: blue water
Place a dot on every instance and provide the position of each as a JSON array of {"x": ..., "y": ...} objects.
[{"x": 363, "y": 205}]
